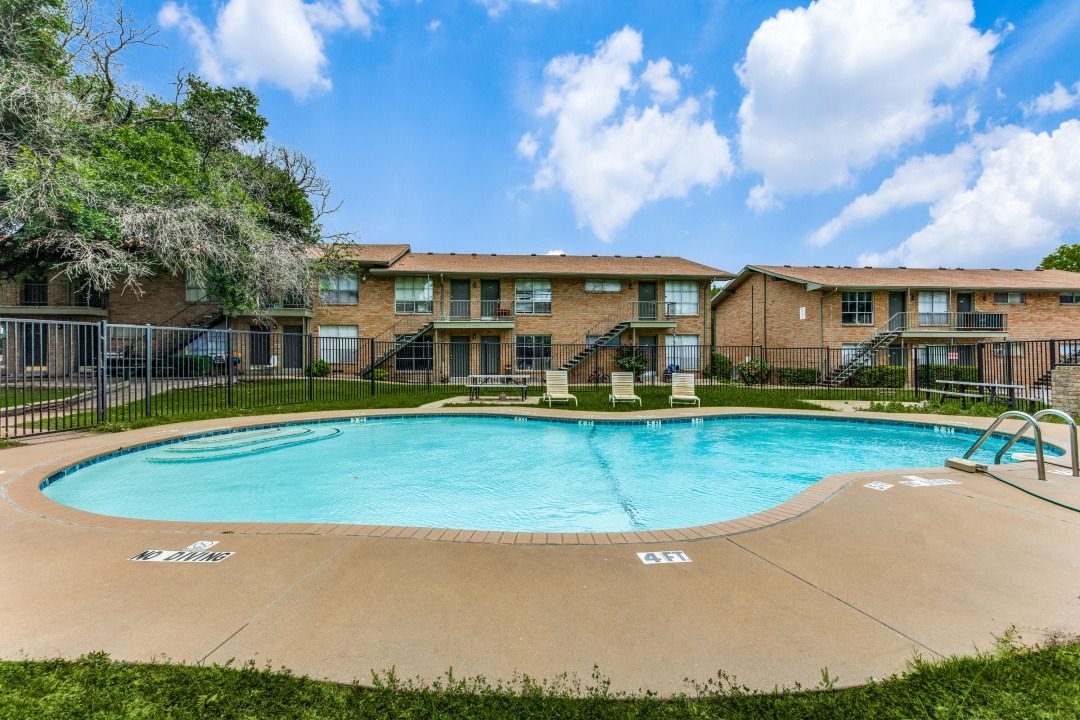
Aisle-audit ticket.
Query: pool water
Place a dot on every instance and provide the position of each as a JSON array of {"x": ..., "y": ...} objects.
[{"x": 507, "y": 474}]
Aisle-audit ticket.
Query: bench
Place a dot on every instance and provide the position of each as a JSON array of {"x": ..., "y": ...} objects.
[{"x": 477, "y": 383}]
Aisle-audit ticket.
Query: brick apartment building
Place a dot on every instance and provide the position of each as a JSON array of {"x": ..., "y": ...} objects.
[
  {"x": 894, "y": 309},
  {"x": 492, "y": 311}
]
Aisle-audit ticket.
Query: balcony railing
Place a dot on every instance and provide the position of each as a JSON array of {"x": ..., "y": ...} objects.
[
  {"x": 56, "y": 293},
  {"x": 950, "y": 321},
  {"x": 287, "y": 302},
  {"x": 478, "y": 310}
]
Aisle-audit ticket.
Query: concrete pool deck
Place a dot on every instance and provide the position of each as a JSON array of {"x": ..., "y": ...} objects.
[{"x": 857, "y": 582}]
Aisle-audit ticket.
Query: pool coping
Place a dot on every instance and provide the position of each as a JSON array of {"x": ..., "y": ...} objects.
[{"x": 24, "y": 488}]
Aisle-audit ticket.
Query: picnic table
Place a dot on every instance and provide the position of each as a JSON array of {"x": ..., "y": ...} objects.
[
  {"x": 477, "y": 383},
  {"x": 988, "y": 391}
]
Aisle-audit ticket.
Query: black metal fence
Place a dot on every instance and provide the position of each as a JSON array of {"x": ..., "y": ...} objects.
[{"x": 58, "y": 375}]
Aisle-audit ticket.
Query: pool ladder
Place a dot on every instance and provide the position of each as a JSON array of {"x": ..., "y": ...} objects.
[{"x": 1031, "y": 421}]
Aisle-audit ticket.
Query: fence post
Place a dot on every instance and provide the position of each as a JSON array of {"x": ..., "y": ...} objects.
[
  {"x": 1008, "y": 363},
  {"x": 310, "y": 367},
  {"x": 371, "y": 363},
  {"x": 915, "y": 369},
  {"x": 1053, "y": 353},
  {"x": 228, "y": 367},
  {"x": 979, "y": 372},
  {"x": 149, "y": 373},
  {"x": 103, "y": 372}
]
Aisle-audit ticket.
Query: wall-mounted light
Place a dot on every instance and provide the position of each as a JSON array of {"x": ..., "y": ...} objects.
[
  {"x": 363, "y": 277},
  {"x": 474, "y": 284}
]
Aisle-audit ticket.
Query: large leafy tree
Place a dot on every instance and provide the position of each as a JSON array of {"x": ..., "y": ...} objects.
[
  {"x": 109, "y": 187},
  {"x": 1066, "y": 257}
]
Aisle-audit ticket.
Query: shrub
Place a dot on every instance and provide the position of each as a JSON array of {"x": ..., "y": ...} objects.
[
  {"x": 798, "y": 376},
  {"x": 319, "y": 368},
  {"x": 192, "y": 365},
  {"x": 721, "y": 366},
  {"x": 880, "y": 376},
  {"x": 928, "y": 375},
  {"x": 753, "y": 372},
  {"x": 631, "y": 359},
  {"x": 381, "y": 374}
]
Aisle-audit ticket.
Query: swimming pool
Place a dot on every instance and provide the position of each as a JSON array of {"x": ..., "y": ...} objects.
[{"x": 500, "y": 473}]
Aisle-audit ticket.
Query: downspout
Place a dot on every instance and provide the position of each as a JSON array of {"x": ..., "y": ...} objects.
[{"x": 765, "y": 311}]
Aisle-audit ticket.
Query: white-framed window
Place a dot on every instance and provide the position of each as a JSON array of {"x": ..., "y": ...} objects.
[
  {"x": 616, "y": 341},
  {"x": 683, "y": 351},
  {"x": 338, "y": 343},
  {"x": 339, "y": 288},
  {"x": 413, "y": 295},
  {"x": 603, "y": 286},
  {"x": 857, "y": 307},
  {"x": 1070, "y": 298},
  {"x": 195, "y": 291},
  {"x": 532, "y": 297},
  {"x": 1010, "y": 298},
  {"x": 417, "y": 355},
  {"x": 681, "y": 297},
  {"x": 533, "y": 352},
  {"x": 933, "y": 307}
]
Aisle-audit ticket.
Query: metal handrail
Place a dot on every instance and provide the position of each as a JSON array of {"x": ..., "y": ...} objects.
[
  {"x": 1073, "y": 442},
  {"x": 1040, "y": 461}
]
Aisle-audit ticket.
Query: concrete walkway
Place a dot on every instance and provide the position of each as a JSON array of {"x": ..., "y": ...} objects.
[{"x": 858, "y": 584}]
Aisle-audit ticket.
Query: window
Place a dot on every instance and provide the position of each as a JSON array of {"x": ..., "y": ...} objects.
[
  {"x": 195, "y": 291},
  {"x": 533, "y": 297},
  {"x": 413, "y": 295},
  {"x": 850, "y": 351},
  {"x": 339, "y": 289},
  {"x": 616, "y": 341},
  {"x": 1009, "y": 298},
  {"x": 933, "y": 308},
  {"x": 1072, "y": 298},
  {"x": 414, "y": 356},
  {"x": 603, "y": 286},
  {"x": 682, "y": 351},
  {"x": 338, "y": 343},
  {"x": 681, "y": 297},
  {"x": 533, "y": 352},
  {"x": 857, "y": 308}
]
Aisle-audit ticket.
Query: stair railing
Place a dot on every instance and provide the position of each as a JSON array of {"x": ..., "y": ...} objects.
[
  {"x": 626, "y": 312},
  {"x": 1029, "y": 421}
]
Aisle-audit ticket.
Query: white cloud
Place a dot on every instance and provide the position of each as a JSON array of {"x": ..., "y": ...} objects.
[
  {"x": 498, "y": 7},
  {"x": 434, "y": 25},
  {"x": 1057, "y": 100},
  {"x": 555, "y": 252},
  {"x": 613, "y": 157},
  {"x": 275, "y": 41},
  {"x": 834, "y": 86},
  {"x": 528, "y": 146},
  {"x": 1027, "y": 195},
  {"x": 919, "y": 181}
]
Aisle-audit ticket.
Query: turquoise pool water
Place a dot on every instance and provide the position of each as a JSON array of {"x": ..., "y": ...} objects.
[{"x": 500, "y": 473}]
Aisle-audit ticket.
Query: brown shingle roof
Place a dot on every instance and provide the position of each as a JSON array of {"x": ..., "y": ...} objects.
[
  {"x": 578, "y": 265},
  {"x": 959, "y": 278},
  {"x": 372, "y": 253}
]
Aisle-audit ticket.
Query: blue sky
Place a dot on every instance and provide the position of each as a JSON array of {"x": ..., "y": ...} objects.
[{"x": 838, "y": 132}]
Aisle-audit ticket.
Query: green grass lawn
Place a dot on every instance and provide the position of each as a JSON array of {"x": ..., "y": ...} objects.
[
  {"x": 657, "y": 397},
  {"x": 16, "y": 395},
  {"x": 1008, "y": 683}
]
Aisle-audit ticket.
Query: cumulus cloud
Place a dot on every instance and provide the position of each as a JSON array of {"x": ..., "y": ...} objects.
[
  {"x": 919, "y": 181},
  {"x": 555, "y": 252},
  {"x": 280, "y": 42},
  {"x": 498, "y": 7},
  {"x": 528, "y": 146},
  {"x": 1025, "y": 197},
  {"x": 611, "y": 156},
  {"x": 1057, "y": 100},
  {"x": 832, "y": 87}
]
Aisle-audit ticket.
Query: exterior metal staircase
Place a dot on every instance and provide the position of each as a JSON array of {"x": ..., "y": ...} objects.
[
  {"x": 590, "y": 347},
  {"x": 864, "y": 353},
  {"x": 1069, "y": 358},
  {"x": 395, "y": 338}
]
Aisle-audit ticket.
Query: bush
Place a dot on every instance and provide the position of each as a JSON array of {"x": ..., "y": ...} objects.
[
  {"x": 381, "y": 374},
  {"x": 928, "y": 375},
  {"x": 631, "y": 359},
  {"x": 319, "y": 368},
  {"x": 753, "y": 372},
  {"x": 880, "y": 376},
  {"x": 798, "y": 376},
  {"x": 721, "y": 366},
  {"x": 192, "y": 365}
]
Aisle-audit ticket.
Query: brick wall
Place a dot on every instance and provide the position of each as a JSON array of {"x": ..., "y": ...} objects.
[{"x": 1065, "y": 381}]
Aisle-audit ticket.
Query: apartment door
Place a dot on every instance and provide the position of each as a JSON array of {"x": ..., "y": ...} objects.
[
  {"x": 646, "y": 295},
  {"x": 489, "y": 299},
  {"x": 965, "y": 306},
  {"x": 647, "y": 343},
  {"x": 292, "y": 350},
  {"x": 489, "y": 355},
  {"x": 86, "y": 351},
  {"x": 459, "y": 356},
  {"x": 258, "y": 346},
  {"x": 897, "y": 306},
  {"x": 459, "y": 298}
]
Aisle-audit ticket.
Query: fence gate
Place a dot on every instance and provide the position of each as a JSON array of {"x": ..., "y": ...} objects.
[{"x": 51, "y": 376}]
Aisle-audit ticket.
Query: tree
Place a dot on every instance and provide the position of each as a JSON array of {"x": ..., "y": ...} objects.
[
  {"x": 109, "y": 187},
  {"x": 1066, "y": 257}
]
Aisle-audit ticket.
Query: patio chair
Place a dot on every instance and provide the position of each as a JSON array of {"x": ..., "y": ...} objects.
[
  {"x": 557, "y": 387},
  {"x": 622, "y": 388},
  {"x": 682, "y": 389}
]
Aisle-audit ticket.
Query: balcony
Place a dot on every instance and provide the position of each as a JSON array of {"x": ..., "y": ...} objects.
[
  {"x": 53, "y": 297},
  {"x": 930, "y": 324},
  {"x": 494, "y": 314},
  {"x": 289, "y": 305}
]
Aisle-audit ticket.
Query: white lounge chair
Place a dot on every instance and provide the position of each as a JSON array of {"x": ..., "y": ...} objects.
[
  {"x": 622, "y": 388},
  {"x": 682, "y": 389},
  {"x": 557, "y": 387}
]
